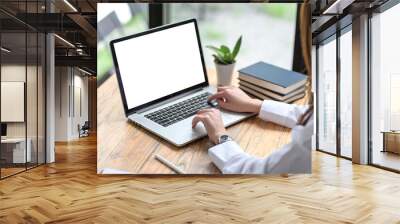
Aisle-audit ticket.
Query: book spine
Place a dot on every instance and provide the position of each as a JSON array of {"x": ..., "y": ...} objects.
[
  {"x": 262, "y": 83},
  {"x": 269, "y": 93}
]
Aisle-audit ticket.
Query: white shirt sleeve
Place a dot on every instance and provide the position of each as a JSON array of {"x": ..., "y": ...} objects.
[
  {"x": 294, "y": 157},
  {"x": 281, "y": 113}
]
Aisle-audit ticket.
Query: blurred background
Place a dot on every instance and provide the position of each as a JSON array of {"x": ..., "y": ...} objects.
[{"x": 268, "y": 29}]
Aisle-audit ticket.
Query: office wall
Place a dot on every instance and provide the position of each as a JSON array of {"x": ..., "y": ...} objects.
[
  {"x": 33, "y": 126},
  {"x": 13, "y": 98},
  {"x": 71, "y": 102},
  {"x": 80, "y": 102},
  {"x": 15, "y": 72},
  {"x": 62, "y": 81}
]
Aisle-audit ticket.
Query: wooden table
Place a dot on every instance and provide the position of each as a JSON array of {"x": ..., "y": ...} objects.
[{"x": 125, "y": 146}]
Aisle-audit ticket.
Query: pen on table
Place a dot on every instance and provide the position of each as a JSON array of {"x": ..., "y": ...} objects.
[{"x": 169, "y": 164}]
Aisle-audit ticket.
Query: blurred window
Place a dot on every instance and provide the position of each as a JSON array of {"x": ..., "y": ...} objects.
[
  {"x": 327, "y": 96},
  {"x": 346, "y": 94},
  {"x": 385, "y": 84},
  {"x": 116, "y": 20},
  {"x": 268, "y": 29}
]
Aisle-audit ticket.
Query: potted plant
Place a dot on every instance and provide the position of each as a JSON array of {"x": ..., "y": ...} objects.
[{"x": 224, "y": 60}]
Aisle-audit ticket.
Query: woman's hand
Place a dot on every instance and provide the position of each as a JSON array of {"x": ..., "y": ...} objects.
[
  {"x": 234, "y": 99},
  {"x": 212, "y": 120}
]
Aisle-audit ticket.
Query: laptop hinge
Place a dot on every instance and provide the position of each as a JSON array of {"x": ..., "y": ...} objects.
[{"x": 169, "y": 100}]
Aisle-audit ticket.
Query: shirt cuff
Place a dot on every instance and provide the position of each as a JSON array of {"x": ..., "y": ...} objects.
[
  {"x": 280, "y": 113},
  {"x": 220, "y": 154},
  {"x": 268, "y": 107}
]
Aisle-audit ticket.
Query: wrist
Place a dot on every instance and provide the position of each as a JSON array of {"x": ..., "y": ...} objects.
[
  {"x": 224, "y": 138},
  {"x": 218, "y": 135},
  {"x": 255, "y": 105}
]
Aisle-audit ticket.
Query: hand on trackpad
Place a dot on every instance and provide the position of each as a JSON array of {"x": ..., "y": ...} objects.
[{"x": 199, "y": 128}]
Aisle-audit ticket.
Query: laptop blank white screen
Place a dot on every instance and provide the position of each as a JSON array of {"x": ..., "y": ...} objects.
[{"x": 159, "y": 64}]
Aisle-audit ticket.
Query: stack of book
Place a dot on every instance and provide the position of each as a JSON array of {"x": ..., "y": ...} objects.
[{"x": 266, "y": 81}]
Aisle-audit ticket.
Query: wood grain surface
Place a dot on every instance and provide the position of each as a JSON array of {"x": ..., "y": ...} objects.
[
  {"x": 70, "y": 191},
  {"x": 125, "y": 146}
]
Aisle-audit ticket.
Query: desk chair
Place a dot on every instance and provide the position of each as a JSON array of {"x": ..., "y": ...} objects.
[{"x": 84, "y": 130}]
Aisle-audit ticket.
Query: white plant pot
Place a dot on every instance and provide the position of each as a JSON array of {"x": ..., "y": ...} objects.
[{"x": 224, "y": 74}]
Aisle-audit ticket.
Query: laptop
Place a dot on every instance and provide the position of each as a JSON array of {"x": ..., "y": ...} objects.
[{"x": 163, "y": 81}]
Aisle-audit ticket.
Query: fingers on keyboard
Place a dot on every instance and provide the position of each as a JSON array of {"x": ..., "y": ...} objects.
[{"x": 179, "y": 111}]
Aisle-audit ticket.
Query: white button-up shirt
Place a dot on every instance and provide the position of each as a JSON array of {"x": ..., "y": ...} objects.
[{"x": 294, "y": 157}]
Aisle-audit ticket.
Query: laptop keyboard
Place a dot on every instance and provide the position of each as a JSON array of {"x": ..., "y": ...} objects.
[{"x": 179, "y": 111}]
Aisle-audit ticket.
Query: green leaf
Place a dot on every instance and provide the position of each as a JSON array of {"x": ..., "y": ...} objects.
[
  {"x": 215, "y": 49},
  {"x": 219, "y": 58},
  {"x": 228, "y": 58},
  {"x": 227, "y": 54},
  {"x": 225, "y": 49},
  {"x": 223, "y": 53},
  {"x": 236, "y": 48}
]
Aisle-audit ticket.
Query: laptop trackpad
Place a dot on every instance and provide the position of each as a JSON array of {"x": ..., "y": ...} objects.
[
  {"x": 183, "y": 132},
  {"x": 185, "y": 126}
]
